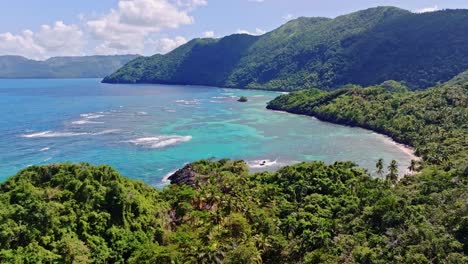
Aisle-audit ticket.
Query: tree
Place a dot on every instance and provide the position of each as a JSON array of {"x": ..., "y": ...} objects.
[
  {"x": 413, "y": 166},
  {"x": 392, "y": 175},
  {"x": 379, "y": 167}
]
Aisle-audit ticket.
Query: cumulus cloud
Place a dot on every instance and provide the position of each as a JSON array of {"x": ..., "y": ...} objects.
[
  {"x": 60, "y": 39},
  {"x": 165, "y": 45},
  {"x": 257, "y": 32},
  {"x": 209, "y": 34},
  {"x": 428, "y": 9},
  {"x": 125, "y": 29},
  {"x": 57, "y": 40}
]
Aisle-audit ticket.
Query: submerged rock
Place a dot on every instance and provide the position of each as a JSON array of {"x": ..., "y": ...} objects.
[{"x": 186, "y": 175}]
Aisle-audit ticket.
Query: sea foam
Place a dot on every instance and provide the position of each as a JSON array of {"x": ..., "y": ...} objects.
[
  {"x": 84, "y": 122},
  {"x": 159, "y": 141},
  {"x": 256, "y": 164},
  {"x": 52, "y": 134},
  {"x": 92, "y": 115}
]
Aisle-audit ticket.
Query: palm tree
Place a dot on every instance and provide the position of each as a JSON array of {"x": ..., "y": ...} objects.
[
  {"x": 392, "y": 175},
  {"x": 413, "y": 166},
  {"x": 379, "y": 167}
]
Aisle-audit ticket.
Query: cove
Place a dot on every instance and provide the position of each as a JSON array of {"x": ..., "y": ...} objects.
[{"x": 148, "y": 131}]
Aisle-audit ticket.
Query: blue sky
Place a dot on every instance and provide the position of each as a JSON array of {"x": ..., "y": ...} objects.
[{"x": 43, "y": 28}]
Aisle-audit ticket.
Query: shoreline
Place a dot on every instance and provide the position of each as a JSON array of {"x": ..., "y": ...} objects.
[
  {"x": 200, "y": 85},
  {"x": 405, "y": 148}
]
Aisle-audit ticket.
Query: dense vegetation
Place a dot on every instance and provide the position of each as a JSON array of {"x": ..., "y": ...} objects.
[
  {"x": 306, "y": 213},
  {"x": 62, "y": 67},
  {"x": 365, "y": 48},
  {"x": 434, "y": 121},
  {"x": 217, "y": 212}
]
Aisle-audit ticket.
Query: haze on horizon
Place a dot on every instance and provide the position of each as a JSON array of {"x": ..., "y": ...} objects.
[{"x": 57, "y": 28}]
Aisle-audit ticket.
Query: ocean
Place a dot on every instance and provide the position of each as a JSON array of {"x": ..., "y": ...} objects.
[{"x": 149, "y": 131}]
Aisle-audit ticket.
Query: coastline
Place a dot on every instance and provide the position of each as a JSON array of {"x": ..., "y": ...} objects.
[{"x": 405, "y": 148}]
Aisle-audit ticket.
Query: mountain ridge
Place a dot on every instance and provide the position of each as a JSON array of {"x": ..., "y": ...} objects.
[
  {"x": 97, "y": 66},
  {"x": 365, "y": 47}
]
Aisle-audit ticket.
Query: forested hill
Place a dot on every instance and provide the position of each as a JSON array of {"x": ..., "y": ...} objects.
[
  {"x": 434, "y": 121},
  {"x": 365, "y": 48},
  {"x": 306, "y": 213},
  {"x": 62, "y": 67}
]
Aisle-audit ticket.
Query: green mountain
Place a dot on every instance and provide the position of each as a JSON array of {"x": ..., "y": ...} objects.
[
  {"x": 62, "y": 67},
  {"x": 365, "y": 48}
]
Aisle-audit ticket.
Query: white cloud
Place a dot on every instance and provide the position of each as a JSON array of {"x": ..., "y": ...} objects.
[
  {"x": 428, "y": 9},
  {"x": 22, "y": 45},
  {"x": 57, "y": 40},
  {"x": 125, "y": 30},
  {"x": 191, "y": 4},
  {"x": 288, "y": 17},
  {"x": 209, "y": 34},
  {"x": 258, "y": 1},
  {"x": 165, "y": 45},
  {"x": 257, "y": 32},
  {"x": 60, "y": 39}
]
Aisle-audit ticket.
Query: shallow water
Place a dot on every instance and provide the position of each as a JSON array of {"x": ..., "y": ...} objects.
[{"x": 148, "y": 131}]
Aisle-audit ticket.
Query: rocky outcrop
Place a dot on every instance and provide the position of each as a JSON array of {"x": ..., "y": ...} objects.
[{"x": 186, "y": 175}]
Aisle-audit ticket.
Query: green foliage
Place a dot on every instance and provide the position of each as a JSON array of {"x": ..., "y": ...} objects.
[
  {"x": 243, "y": 99},
  {"x": 62, "y": 67},
  {"x": 434, "y": 121},
  {"x": 366, "y": 48},
  {"x": 305, "y": 213},
  {"x": 76, "y": 214}
]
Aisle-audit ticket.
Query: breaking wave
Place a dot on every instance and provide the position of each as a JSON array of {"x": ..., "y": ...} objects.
[
  {"x": 159, "y": 141},
  {"x": 51, "y": 134}
]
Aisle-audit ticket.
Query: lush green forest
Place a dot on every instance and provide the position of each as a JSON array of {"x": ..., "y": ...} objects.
[
  {"x": 434, "y": 121},
  {"x": 306, "y": 213},
  {"x": 364, "y": 48},
  {"x": 215, "y": 211},
  {"x": 62, "y": 67}
]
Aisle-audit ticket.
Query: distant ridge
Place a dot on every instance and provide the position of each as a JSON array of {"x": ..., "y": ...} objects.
[
  {"x": 366, "y": 48},
  {"x": 62, "y": 67}
]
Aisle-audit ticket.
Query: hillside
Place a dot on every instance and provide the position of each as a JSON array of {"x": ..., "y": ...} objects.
[
  {"x": 365, "y": 48},
  {"x": 306, "y": 213},
  {"x": 434, "y": 121},
  {"x": 62, "y": 67}
]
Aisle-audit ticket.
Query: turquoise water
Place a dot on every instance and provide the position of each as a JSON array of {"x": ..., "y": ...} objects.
[{"x": 148, "y": 131}]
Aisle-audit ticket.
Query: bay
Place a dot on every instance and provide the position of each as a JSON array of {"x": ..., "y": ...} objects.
[{"x": 148, "y": 131}]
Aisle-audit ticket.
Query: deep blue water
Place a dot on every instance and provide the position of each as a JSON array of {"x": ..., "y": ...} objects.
[{"x": 148, "y": 131}]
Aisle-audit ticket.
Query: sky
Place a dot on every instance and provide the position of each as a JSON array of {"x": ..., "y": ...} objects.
[{"x": 39, "y": 29}]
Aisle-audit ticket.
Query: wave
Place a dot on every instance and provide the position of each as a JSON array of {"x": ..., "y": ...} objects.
[
  {"x": 84, "y": 122},
  {"x": 255, "y": 164},
  {"x": 107, "y": 131},
  {"x": 188, "y": 102},
  {"x": 44, "y": 149},
  {"x": 51, "y": 134},
  {"x": 219, "y": 97},
  {"x": 92, "y": 115},
  {"x": 142, "y": 113},
  {"x": 165, "y": 179},
  {"x": 160, "y": 141}
]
